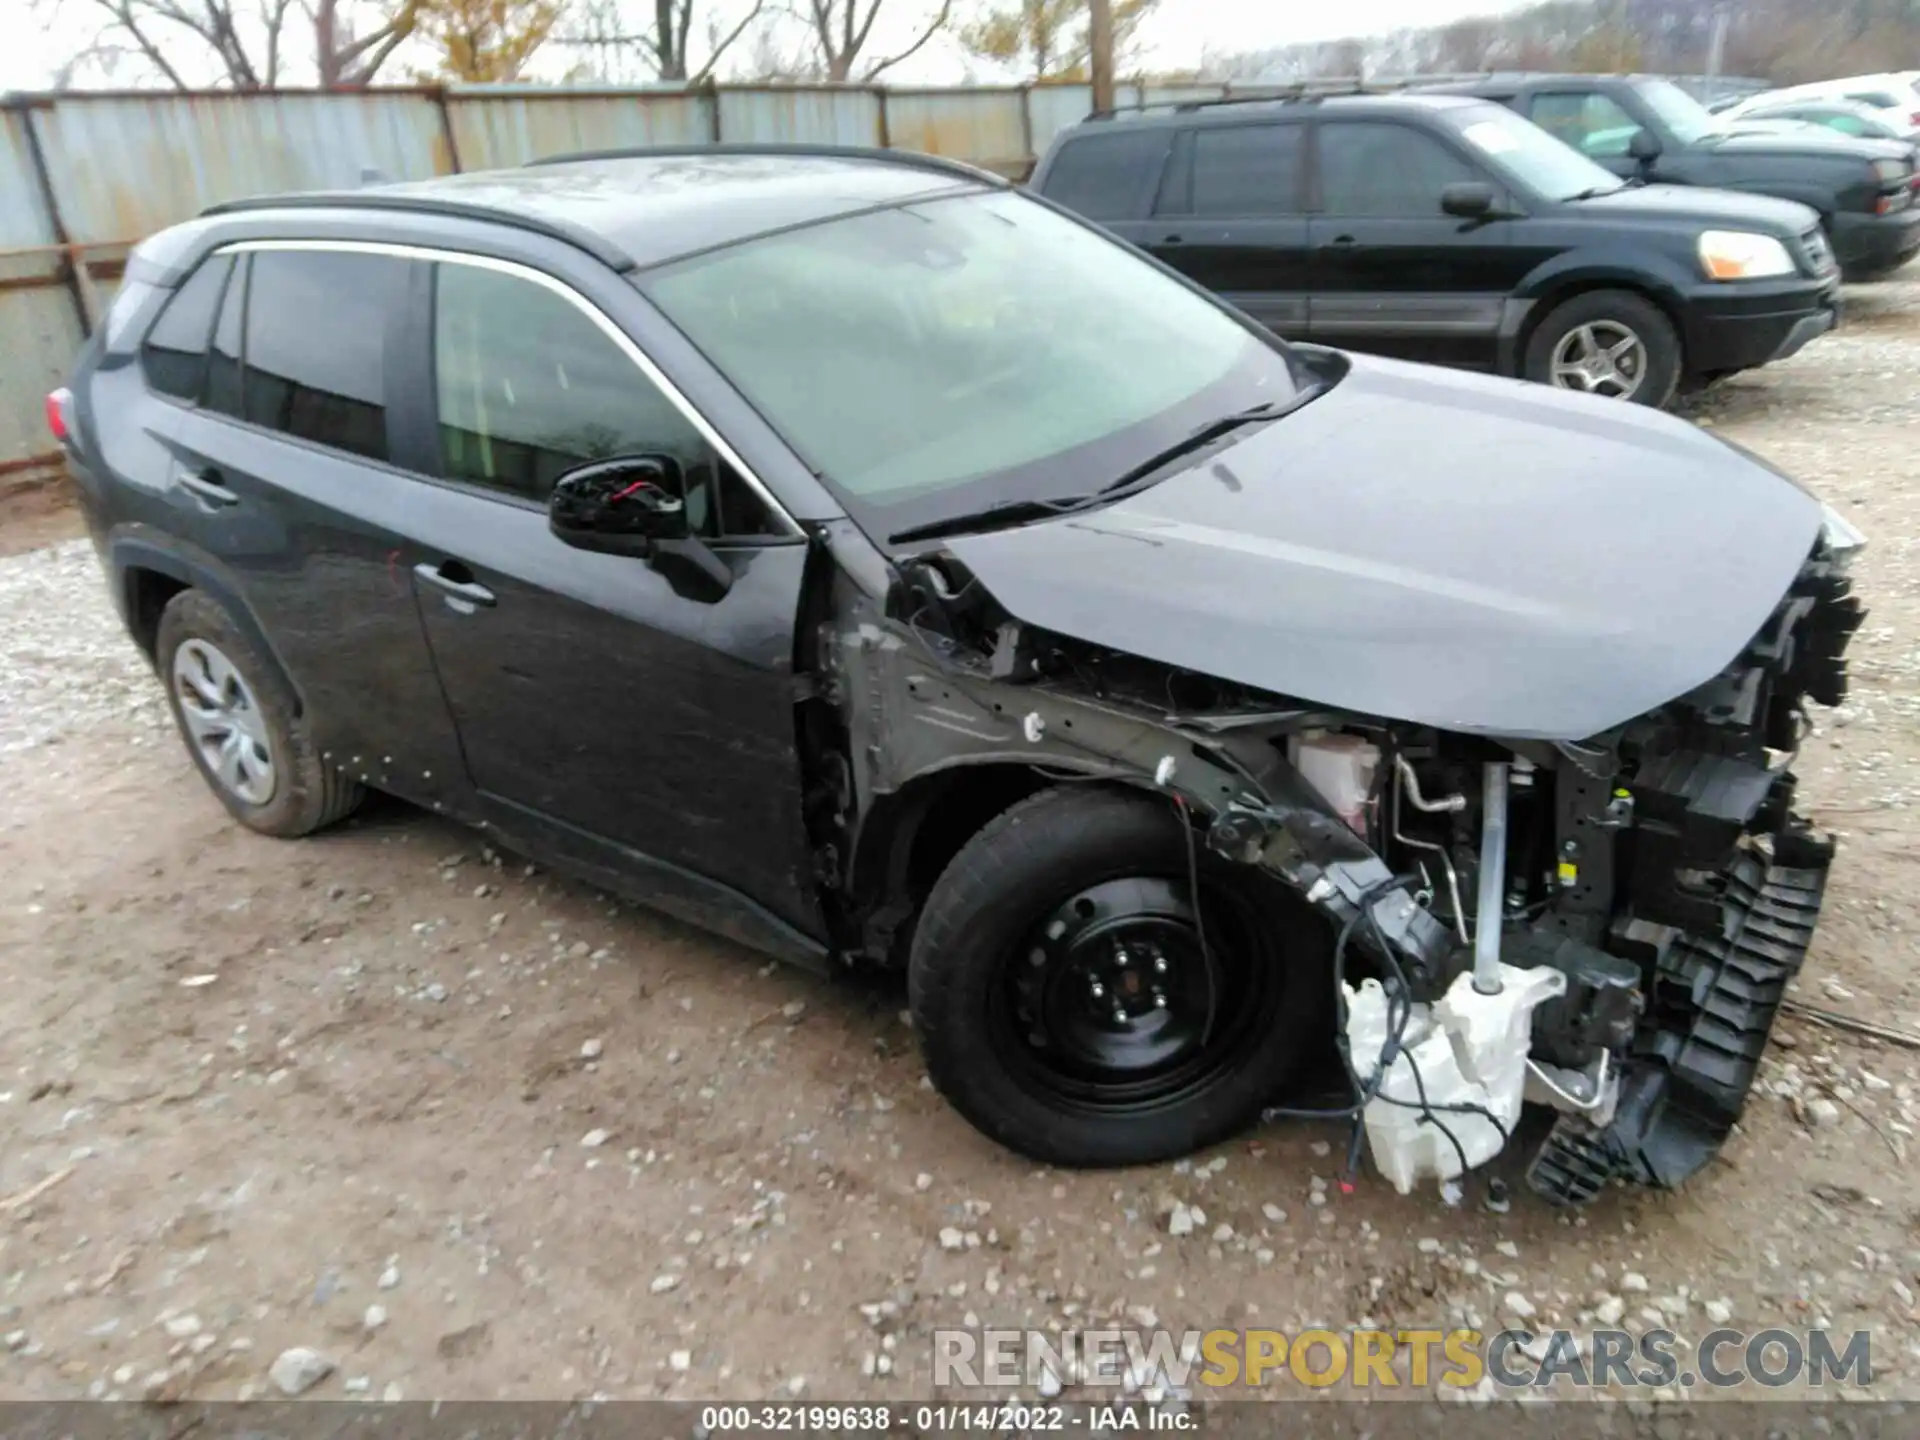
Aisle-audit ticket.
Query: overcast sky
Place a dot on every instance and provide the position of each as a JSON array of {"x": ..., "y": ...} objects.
[{"x": 1173, "y": 38}]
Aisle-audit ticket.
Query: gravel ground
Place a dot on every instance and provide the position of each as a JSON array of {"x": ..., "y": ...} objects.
[{"x": 465, "y": 1130}]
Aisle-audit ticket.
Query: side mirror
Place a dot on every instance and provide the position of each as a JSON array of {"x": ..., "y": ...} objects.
[
  {"x": 619, "y": 507},
  {"x": 1644, "y": 146},
  {"x": 634, "y": 506},
  {"x": 1468, "y": 199}
]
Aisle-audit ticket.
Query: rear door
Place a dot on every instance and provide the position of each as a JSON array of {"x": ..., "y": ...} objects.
[
  {"x": 640, "y": 732},
  {"x": 1391, "y": 271},
  {"x": 284, "y": 466},
  {"x": 1231, "y": 214}
]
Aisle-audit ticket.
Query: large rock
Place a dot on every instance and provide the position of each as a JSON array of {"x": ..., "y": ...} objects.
[{"x": 298, "y": 1370}]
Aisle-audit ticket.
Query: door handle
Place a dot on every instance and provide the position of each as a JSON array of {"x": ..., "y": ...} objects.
[
  {"x": 208, "y": 488},
  {"x": 1342, "y": 242},
  {"x": 455, "y": 581},
  {"x": 1171, "y": 239}
]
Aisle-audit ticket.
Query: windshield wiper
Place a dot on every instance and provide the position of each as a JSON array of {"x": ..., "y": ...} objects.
[
  {"x": 1002, "y": 512},
  {"x": 1015, "y": 512},
  {"x": 1595, "y": 191},
  {"x": 1204, "y": 436}
]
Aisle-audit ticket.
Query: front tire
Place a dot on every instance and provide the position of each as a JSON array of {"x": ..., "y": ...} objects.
[
  {"x": 242, "y": 726},
  {"x": 1072, "y": 1005},
  {"x": 1611, "y": 343}
]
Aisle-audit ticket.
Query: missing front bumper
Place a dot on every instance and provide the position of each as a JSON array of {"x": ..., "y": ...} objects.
[{"x": 1714, "y": 996}]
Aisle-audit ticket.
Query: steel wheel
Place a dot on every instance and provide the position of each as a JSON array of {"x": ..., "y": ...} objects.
[
  {"x": 223, "y": 721},
  {"x": 1602, "y": 357},
  {"x": 1112, "y": 1003}
]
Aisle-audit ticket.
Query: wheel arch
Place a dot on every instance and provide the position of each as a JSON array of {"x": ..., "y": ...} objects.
[
  {"x": 1546, "y": 290},
  {"x": 910, "y": 834},
  {"x": 149, "y": 576}
]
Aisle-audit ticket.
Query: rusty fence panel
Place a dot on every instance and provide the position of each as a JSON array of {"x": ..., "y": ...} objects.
[
  {"x": 510, "y": 125},
  {"x": 126, "y": 166},
  {"x": 40, "y": 322},
  {"x": 800, "y": 114},
  {"x": 984, "y": 125}
]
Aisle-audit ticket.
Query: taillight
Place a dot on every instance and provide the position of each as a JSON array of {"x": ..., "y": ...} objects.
[{"x": 58, "y": 403}]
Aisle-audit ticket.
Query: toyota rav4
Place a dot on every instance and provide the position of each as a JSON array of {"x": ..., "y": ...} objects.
[{"x": 885, "y": 568}]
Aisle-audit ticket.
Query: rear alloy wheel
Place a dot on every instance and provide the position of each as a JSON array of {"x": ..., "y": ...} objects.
[
  {"x": 1610, "y": 343},
  {"x": 221, "y": 719},
  {"x": 242, "y": 725},
  {"x": 1073, "y": 1004}
]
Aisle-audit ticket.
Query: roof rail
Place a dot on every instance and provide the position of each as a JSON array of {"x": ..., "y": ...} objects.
[
  {"x": 914, "y": 159},
  {"x": 417, "y": 204},
  {"x": 1304, "y": 90}
]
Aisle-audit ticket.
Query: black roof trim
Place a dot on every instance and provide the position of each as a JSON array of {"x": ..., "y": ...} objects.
[
  {"x": 912, "y": 159},
  {"x": 1305, "y": 90},
  {"x": 575, "y": 235}
]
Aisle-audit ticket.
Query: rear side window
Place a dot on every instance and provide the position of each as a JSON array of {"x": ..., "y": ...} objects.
[
  {"x": 175, "y": 352},
  {"x": 316, "y": 324},
  {"x": 1247, "y": 170},
  {"x": 1106, "y": 176},
  {"x": 1385, "y": 170},
  {"x": 1881, "y": 98}
]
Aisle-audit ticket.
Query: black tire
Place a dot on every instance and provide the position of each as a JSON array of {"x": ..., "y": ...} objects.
[
  {"x": 307, "y": 794},
  {"x": 1658, "y": 376},
  {"x": 998, "y": 1024}
]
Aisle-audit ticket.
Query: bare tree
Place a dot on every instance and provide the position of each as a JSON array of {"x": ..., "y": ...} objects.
[
  {"x": 1777, "y": 40},
  {"x": 248, "y": 43},
  {"x": 344, "y": 59},
  {"x": 1048, "y": 39},
  {"x": 673, "y": 23},
  {"x": 841, "y": 29},
  {"x": 665, "y": 45}
]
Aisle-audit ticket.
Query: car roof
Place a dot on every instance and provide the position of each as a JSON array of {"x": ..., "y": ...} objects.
[
  {"x": 1238, "y": 111},
  {"x": 1503, "y": 82},
  {"x": 638, "y": 208}
]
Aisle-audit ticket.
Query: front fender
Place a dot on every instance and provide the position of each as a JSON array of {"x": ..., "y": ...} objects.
[{"x": 1647, "y": 272}]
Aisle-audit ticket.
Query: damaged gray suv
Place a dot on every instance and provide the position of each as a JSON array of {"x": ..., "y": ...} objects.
[{"x": 875, "y": 564}]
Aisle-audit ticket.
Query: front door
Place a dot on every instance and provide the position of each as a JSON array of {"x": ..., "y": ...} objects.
[
  {"x": 1598, "y": 126},
  {"x": 1392, "y": 272},
  {"x": 645, "y": 733},
  {"x": 1230, "y": 215}
]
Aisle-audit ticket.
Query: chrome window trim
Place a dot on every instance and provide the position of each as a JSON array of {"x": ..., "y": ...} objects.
[{"x": 586, "y": 307}]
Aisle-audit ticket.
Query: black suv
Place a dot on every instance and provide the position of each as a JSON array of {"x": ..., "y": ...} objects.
[
  {"x": 1450, "y": 230},
  {"x": 1866, "y": 191},
  {"x": 876, "y": 564}
]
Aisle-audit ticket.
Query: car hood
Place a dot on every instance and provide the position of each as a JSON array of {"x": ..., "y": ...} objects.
[
  {"x": 1475, "y": 554},
  {"x": 1821, "y": 141},
  {"x": 1722, "y": 208}
]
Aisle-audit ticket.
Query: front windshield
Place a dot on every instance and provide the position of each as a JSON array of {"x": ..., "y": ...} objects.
[
  {"x": 931, "y": 359},
  {"x": 1531, "y": 157},
  {"x": 1685, "y": 116}
]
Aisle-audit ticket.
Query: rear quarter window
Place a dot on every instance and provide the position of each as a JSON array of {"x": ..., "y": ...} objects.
[
  {"x": 1108, "y": 176},
  {"x": 174, "y": 355}
]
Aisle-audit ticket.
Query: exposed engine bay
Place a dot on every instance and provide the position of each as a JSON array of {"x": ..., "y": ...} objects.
[{"x": 1654, "y": 889}]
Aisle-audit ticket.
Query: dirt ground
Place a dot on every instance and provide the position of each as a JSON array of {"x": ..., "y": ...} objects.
[{"x": 475, "y": 1132}]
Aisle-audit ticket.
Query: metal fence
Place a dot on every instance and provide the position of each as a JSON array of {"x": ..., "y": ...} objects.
[{"x": 85, "y": 176}]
